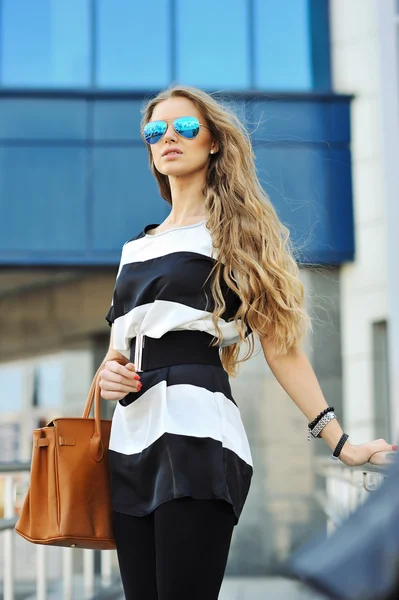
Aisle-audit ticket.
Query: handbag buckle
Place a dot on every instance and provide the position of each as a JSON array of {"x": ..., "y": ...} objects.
[{"x": 41, "y": 442}]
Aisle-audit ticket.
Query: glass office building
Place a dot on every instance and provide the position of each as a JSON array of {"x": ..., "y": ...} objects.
[
  {"x": 125, "y": 44},
  {"x": 73, "y": 76}
]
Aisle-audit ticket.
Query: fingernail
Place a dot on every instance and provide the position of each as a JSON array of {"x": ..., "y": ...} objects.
[
  {"x": 394, "y": 447},
  {"x": 136, "y": 377}
]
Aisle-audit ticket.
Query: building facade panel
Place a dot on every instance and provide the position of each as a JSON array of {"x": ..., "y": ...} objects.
[
  {"x": 125, "y": 197},
  {"x": 213, "y": 44},
  {"x": 289, "y": 121},
  {"x": 116, "y": 121},
  {"x": 43, "y": 200},
  {"x": 340, "y": 207},
  {"x": 296, "y": 181},
  {"x": 42, "y": 119},
  {"x": 279, "y": 45},
  {"x": 96, "y": 159},
  {"x": 364, "y": 53},
  {"x": 45, "y": 43},
  {"x": 132, "y": 44},
  {"x": 280, "y": 27}
]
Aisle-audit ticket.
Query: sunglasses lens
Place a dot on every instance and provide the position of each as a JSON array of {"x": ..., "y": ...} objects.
[
  {"x": 188, "y": 127},
  {"x": 154, "y": 130}
]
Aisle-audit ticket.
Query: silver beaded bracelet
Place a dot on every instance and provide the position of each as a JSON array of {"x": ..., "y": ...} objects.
[{"x": 320, "y": 425}]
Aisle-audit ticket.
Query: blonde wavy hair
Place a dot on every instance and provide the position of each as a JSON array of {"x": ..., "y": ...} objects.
[{"x": 254, "y": 252}]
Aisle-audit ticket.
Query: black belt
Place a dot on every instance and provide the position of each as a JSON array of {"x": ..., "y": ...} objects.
[{"x": 173, "y": 348}]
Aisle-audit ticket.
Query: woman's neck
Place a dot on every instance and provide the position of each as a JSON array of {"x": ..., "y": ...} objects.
[{"x": 187, "y": 200}]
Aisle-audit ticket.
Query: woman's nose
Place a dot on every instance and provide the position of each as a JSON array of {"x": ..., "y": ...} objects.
[{"x": 170, "y": 133}]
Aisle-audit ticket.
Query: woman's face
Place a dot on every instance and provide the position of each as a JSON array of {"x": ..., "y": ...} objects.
[{"x": 189, "y": 156}]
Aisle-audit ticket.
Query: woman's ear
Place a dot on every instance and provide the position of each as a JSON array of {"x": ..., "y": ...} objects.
[{"x": 214, "y": 148}]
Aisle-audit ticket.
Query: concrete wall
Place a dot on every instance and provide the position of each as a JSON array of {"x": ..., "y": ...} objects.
[
  {"x": 355, "y": 42},
  {"x": 388, "y": 34},
  {"x": 47, "y": 318}
]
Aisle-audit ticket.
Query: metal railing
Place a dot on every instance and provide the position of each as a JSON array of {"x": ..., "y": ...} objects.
[
  {"x": 8, "y": 474},
  {"x": 345, "y": 488}
]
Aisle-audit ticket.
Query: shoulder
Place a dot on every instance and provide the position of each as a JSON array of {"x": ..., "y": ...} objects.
[
  {"x": 128, "y": 247},
  {"x": 138, "y": 236},
  {"x": 133, "y": 245},
  {"x": 143, "y": 232}
]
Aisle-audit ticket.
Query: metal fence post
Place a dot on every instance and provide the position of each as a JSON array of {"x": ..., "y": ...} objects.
[
  {"x": 67, "y": 572},
  {"x": 88, "y": 573},
  {"x": 41, "y": 572},
  {"x": 106, "y": 568},
  {"x": 9, "y": 566}
]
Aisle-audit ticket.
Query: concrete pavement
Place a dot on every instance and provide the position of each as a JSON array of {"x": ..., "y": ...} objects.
[
  {"x": 233, "y": 588},
  {"x": 265, "y": 588}
]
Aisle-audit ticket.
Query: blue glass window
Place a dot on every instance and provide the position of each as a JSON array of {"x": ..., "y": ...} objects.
[
  {"x": 43, "y": 119},
  {"x": 125, "y": 194},
  {"x": 116, "y": 120},
  {"x": 47, "y": 186},
  {"x": 133, "y": 44},
  {"x": 212, "y": 44},
  {"x": 45, "y": 43},
  {"x": 282, "y": 45}
]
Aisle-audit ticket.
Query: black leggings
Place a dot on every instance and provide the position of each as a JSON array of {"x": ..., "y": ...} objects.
[{"x": 178, "y": 551}]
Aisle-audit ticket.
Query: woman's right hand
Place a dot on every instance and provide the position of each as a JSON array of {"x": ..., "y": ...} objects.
[{"x": 116, "y": 380}]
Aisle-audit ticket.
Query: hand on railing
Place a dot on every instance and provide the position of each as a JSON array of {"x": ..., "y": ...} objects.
[{"x": 377, "y": 452}]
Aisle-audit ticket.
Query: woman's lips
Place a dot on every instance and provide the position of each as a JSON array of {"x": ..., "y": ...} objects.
[{"x": 171, "y": 154}]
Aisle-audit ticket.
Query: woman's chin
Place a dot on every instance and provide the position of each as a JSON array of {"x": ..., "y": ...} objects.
[{"x": 174, "y": 171}]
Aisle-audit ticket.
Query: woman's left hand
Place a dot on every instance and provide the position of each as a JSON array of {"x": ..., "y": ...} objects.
[{"x": 377, "y": 452}]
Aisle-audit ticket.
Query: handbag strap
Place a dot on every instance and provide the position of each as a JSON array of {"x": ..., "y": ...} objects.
[
  {"x": 94, "y": 384},
  {"x": 96, "y": 445},
  {"x": 90, "y": 396}
]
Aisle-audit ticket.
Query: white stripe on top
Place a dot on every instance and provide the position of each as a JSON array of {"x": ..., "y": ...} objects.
[{"x": 180, "y": 409}]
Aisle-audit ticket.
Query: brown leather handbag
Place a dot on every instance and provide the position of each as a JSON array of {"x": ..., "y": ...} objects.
[{"x": 68, "y": 502}]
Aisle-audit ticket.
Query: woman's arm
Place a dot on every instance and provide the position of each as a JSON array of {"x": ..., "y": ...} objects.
[
  {"x": 111, "y": 353},
  {"x": 296, "y": 375}
]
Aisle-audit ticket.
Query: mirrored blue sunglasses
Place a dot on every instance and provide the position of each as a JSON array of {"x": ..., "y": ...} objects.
[{"x": 187, "y": 127}]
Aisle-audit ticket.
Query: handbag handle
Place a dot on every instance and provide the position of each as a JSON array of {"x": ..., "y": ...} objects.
[{"x": 96, "y": 445}]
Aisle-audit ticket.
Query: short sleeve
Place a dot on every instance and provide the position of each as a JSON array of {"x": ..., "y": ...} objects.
[{"x": 110, "y": 316}]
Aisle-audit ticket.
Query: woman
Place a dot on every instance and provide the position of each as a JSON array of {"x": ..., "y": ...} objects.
[{"x": 216, "y": 270}]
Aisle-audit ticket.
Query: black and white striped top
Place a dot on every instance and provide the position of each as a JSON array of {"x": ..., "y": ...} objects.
[
  {"x": 182, "y": 433},
  {"x": 158, "y": 287}
]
